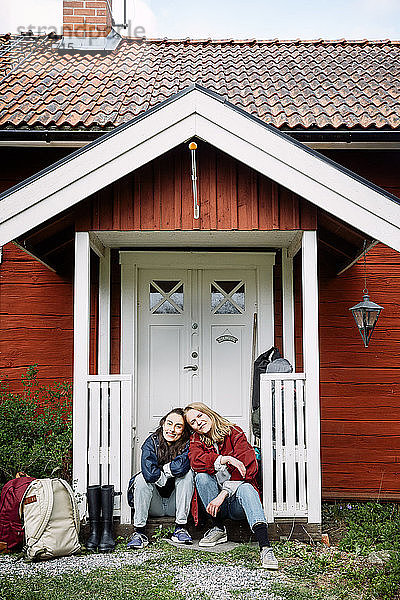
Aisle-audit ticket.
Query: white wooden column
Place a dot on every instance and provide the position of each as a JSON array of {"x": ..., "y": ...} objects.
[
  {"x": 311, "y": 369},
  {"x": 81, "y": 364},
  {"x": 104, "y": 331},
  {"x": 128, "y": 354},
  {"x": 288, "y": 331}
]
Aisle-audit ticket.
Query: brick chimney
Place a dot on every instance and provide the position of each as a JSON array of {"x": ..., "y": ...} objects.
[
  {"x": 87, "y": 18},
  {"x": 88, "y": 27}
]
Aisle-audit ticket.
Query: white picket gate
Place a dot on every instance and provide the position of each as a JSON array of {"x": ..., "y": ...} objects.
[
  {"x": 109, "y": 447},
  {"x": 284, "y": 445}
]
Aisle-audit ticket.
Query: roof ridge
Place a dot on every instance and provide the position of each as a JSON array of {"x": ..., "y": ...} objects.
[
  {"x": 236, "y": 41},
  {"x": 255, "y": 41}
]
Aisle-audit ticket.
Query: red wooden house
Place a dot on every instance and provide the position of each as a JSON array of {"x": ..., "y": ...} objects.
[{"x": 109, "y": 280}]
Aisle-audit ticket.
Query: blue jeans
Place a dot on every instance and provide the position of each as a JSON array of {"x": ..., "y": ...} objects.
[
  {"x": 148, "y": 501},
  {"x": 243, "y": 504}
]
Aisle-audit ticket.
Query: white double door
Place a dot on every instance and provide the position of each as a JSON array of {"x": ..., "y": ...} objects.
[{"x": 194, "y": 336}]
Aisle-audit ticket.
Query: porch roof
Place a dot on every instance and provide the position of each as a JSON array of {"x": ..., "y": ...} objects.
[{"x": 199, "y": 112}]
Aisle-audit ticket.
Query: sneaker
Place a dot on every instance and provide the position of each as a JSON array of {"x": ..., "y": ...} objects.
[
  {"x": 213, "y": 536},
  {"x": 268, "y": 560},
  {"x": 138, "y": 541},
  {"x": 181, "y": 536}
]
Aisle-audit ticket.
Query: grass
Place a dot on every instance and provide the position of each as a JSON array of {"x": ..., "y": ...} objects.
[
  {"x": 345, "y": 571},
  {"x": 130, "y": 583}
]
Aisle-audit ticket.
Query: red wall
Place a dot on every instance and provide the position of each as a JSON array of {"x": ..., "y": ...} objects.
[
  {"x": 36, "y": 318},
  {"x": 360, "y": 387},
  {"x": 159, "y": 197}
]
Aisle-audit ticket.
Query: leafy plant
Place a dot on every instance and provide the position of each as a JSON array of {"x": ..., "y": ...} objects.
[
  {"x": 369, "y": 527},
  {"x": 35, "y": 428},
  {"x": 162, "y": 532},
  {"x": 366, "y": 525}
]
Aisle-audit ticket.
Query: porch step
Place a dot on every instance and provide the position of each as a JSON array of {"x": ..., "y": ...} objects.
[{"x": 238, "y": 531}]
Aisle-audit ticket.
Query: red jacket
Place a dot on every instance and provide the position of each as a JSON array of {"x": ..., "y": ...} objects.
[{"x": 202, "y": 457}]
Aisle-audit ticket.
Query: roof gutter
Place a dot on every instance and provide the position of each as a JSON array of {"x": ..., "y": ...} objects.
[
  {"x": 47, "y": 138},
  {"x": 357, "y": 139},
  {"x": 346, "y": 140}
]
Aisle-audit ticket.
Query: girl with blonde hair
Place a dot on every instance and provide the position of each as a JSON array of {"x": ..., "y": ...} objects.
[{"x": 226, "y": 466}]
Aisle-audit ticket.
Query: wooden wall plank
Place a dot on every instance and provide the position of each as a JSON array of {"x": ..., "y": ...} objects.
[
  {"x": 349, "y": 442},
  {"x": 308, "y": 214},
  {"x": 136, "y": 191},
  {"x": 166, "y": 175},
  {"x": 106, "y": 201},
  {"x": 226, "y": 193},
  {"x": 147, "y": 215},
  {"x": 288, "y": 209},
  {"x": 387, "y": 426},
  {"x": 341, "y": 456},
  {"x": 358, "y": 413},
  {"x": 268, "y": 209},
  {"x": 177, "y": 175},
  {"x": 247, "y": 200},
  {"x": 157, "y": 186}
]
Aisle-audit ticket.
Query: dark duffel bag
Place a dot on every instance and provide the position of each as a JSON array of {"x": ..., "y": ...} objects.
[{"x": 11, "y": 530}]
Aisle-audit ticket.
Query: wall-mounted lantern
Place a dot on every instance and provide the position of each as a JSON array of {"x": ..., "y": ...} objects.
[{"x": 366, "y": 313}]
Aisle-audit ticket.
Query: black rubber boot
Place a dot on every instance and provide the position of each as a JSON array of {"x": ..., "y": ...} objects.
[
  {"x": 94, "y": 509},
  {"x": 107, "y": 543}
]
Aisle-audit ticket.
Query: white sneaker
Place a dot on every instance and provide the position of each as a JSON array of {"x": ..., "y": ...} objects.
[
  {"x": 213, "y": 536},
  {"x": 268, "y": 560}
]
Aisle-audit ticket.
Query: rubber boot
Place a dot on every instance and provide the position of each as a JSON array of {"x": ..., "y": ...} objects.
[
  {"x": 107, "y": 543},
  {"x": 94, "y": 509}
]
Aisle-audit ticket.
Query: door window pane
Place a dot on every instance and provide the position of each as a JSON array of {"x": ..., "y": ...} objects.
[
  {"x": 166, "y": 297},
  {"x": 227, "y": 309},
  {"x": 227, "y": 297}
]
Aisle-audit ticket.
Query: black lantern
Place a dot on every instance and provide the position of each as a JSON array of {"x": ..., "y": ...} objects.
[{"x": 366, "y": 313}]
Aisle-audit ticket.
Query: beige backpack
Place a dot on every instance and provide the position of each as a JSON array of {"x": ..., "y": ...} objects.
[{"x": 51, "y": 519}]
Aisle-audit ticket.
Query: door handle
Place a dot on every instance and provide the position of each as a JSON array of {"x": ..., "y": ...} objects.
[{"x": 191, "y": 367}]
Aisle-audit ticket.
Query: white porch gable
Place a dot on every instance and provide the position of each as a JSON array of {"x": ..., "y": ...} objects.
[{"x": 196, "y": 112}]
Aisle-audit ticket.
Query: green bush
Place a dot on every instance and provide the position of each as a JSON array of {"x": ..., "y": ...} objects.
[{"x": 35, "y": 429}]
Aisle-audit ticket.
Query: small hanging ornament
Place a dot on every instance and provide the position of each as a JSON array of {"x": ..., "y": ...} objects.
[
  {"x": 366, "y": 313},
  {"x": 196, "y": 206}
]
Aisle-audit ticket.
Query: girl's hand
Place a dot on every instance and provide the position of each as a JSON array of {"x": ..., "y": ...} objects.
[
  {"x": 215, "y": 504},
  {"x": 235, "y": 462}
]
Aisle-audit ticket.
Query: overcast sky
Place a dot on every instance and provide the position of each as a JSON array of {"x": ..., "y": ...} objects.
[{"x": 263, "y": 19}]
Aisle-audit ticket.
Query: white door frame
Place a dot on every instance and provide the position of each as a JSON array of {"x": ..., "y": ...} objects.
[{"x": 131, "y": 261}]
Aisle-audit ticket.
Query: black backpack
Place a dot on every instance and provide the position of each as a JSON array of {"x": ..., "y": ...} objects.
[{"x": 268, "y": 362}]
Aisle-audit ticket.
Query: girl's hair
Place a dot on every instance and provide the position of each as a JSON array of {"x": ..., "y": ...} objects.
[
  {"x": 167, "y": 452},
  {"x": 220, "y": 427}
]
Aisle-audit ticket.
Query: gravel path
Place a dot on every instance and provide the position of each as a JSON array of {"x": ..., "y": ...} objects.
[
  {"x": 216, "y": 581},
  {"x": 10, "y": 567}
]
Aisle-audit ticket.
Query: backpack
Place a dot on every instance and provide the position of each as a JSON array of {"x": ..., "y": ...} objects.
[
  {"x": 268, "y": 362},
  {"x": 11, "y": 530},
  {"x": 51, "y": 519}
]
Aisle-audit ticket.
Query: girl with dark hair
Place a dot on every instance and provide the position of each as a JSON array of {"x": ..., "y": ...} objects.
[
  {"x": 226, "y": 466},
  {"x": 165, "y": 485}
]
